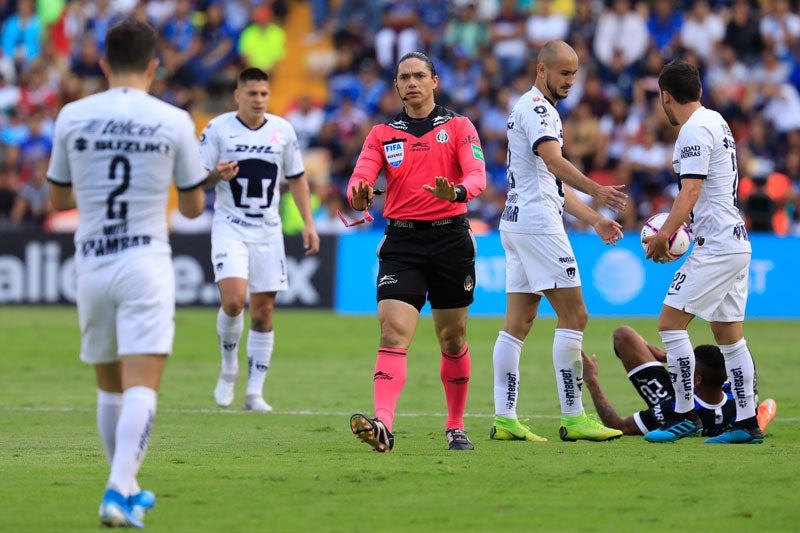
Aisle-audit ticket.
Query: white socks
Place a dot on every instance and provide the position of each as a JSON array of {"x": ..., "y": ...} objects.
[
  {"x": 132, "y": 436},
  {"x": 680, "y": 362},
  {"x": 259, "y": 353},
  {"x": 505, "y": 358},
  {"x": 741, "y": 373},
  {"x": 569, "y": 370},
  {"x": 229, "y": 332},
  {"x": 109, "y": 405}
]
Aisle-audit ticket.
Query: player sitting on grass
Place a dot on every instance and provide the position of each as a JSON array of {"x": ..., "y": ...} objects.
[{"x": 644, "y": 364}]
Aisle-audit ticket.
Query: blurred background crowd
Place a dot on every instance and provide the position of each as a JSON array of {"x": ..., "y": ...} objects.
[{"x": 332, "y": 63}]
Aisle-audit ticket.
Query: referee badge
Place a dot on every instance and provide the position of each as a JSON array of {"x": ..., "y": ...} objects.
[
  {"x": 394, "y": 152},
  {"x": 469, "y": 283}
]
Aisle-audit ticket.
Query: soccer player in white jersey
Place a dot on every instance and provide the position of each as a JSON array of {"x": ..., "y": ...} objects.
[
  {"x": 712, "y": 282},
  {"x": 539, "y": 258},
  {"x": 114, "y": 157},
  {"x": 246, "y": 153}
]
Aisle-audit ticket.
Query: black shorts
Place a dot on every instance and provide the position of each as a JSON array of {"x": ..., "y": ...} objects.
[
  {"x": 653, "y": 384},
  {"x": 427, "y": 261}
]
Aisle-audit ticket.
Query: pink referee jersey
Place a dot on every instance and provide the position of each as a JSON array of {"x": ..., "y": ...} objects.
[{"x": 411, "y": 153}]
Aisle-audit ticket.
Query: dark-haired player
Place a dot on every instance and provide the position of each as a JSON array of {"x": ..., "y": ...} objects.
[
  {"x": 118, "y": 151},
  {"x": 433, "y": 163},
  {"x": 712, "y": 282},
  {"x": 644, "y": 364},
  {"x": 247, "y": 153}
]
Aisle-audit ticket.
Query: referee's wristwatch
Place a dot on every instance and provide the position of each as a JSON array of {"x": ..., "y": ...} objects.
[{"x": 461, "y": 194}]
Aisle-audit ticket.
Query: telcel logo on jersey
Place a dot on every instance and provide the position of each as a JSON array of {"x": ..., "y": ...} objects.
[
  {"x": 394, "y": 152},
  {"x": 129, "y": 127}
]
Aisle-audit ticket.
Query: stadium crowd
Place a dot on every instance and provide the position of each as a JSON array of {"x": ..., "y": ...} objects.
[{"x": 748, "y": 53}]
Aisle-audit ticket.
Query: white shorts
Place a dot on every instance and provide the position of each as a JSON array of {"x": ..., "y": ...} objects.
[
  {"x": 263, "y": 265},
  {"x": 713, "y": 287},
  {"x": 126, "y": 307},
  {"x": 535, "y": 263}
]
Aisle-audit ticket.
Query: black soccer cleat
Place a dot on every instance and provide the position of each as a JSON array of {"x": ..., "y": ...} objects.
[
  {"x": 457, "y": 440},
  {"x": 372, "y": 431}
]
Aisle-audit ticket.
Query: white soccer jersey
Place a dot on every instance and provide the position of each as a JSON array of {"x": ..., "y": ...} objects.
[
  {"x": 119, "y": 150},
  {"x": 705, "y": 150},
  {"x": 535, "y": 201},
  {"x": 246, "y": 208}
]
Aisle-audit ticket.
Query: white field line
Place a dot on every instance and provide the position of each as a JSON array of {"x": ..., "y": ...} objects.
[{"x": 277, "y": 413}]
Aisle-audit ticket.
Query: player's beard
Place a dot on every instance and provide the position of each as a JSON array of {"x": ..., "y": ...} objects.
[{"x": 553, "y": 89}]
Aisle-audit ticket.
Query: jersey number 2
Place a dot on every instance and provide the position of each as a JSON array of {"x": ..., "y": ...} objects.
[{"x": 118, "y": 209}]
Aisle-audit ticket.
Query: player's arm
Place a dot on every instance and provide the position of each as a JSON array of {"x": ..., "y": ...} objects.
[
  {"x": 360, "y": 194},
  {"x": 658, "y": 244},
  {"x": 61, "y": 196},
  {"x": 225, "y": 171},
  {"x": 608, "y": 230},
  {"x": 605, "y": 410},
  {"x": 192, "y": 202},
  {"x": 610, "y": 196},
  {"x": 301, "y": 193}
]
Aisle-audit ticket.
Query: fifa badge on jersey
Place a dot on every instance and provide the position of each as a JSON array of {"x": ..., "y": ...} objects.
[
  {"x": 469, "y": 283},
  {"x": 442, "y": 136},
  {"x": 394, "y": 152}
]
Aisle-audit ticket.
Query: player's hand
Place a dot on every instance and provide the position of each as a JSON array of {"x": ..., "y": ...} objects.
[
  {"x": 612, "y": 197},
  {"x": 609, "y": 230},
  {"x": 443, "y": 189},
  {"x": 589, "y": 367},
  {"x": 363, "y": 196},
  {"x": 310, "y": 239},
  {"x": 657, "y": 248},
  {"x": 227, "y": 170}
]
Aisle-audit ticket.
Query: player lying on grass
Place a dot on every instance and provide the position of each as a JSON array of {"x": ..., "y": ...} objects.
[{"x": 644, "y": 364}]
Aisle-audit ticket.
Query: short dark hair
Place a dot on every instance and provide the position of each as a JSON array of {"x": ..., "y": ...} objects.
[
  {"x": 130, "y": 46},
  {"x": 416, "y": 55},
  {"x": 710, "y": 364},
  {"x": 681, "y": 80},
  {"x": 252, "y": 74}
]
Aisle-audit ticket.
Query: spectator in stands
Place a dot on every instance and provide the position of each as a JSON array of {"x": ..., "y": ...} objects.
[
  {"x": 702, "y": 30},
  {"x": 20, "y": 35},
  {"x": 86, "y": 62},
  {"x": 544, "y": 25},
  {"x": 727, "y": 79},
  {"x": 742, "y": 32},
  {"x": 214, "y": 47},
  {"x": 9, "y": 94},
  {"x": 780, "y": 29},
  {"x": 465, "y": 33},
  {"x": 621, "y": 34},
  {"x": 581, "y": 137},
  {"x": 582, "y": 26},
  {"x": 371, "y": 86},
  {"x": 100, "y": 16},
  {"x": 306, "y": 119},
  {"x": 664, "y": 25},
  {"x": 32, "y": 204},
  {"x": 508, "y": 38},
  {"x": 262, "y": 44},
  {"x": 617, "y": 128},
  {"x": 433, "y": 16},
  {"x": 398, "y": 34},
  {"x": 759, "y": 208},
  {"x": 646, "y": 165},
  {"x": 356, "y": 23}
]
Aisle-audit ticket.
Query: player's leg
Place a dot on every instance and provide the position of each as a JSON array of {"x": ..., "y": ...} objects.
[
  {"x": 267, "y": 275},
  {"x": 260, "y": 344},
  {"x": 231, "y": 268},
  {"x": 645, "y": 371},
  {"x": 145, "y": 324},
  {"x": 401, "y": 295},
  {"x": 450, "y": 281},
  {"x": 572, "y": 316}
]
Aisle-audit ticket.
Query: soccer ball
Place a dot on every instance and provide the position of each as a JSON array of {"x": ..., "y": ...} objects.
[{"x": 678, "y": 243}]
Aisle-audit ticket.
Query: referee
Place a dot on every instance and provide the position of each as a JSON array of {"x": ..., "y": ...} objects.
[{"x": 433, "y": 164}]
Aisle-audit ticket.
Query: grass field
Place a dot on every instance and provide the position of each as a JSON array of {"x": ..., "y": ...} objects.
[{"x": 300, "y": 469}]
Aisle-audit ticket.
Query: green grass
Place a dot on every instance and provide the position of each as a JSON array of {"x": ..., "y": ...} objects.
[{"x": 300, "y": 469}]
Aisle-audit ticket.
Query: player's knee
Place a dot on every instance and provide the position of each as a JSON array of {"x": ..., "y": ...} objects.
[
  {"x": 623, "y": 336},
  {"x": 233, "y": 307}
]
